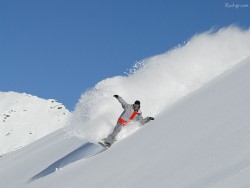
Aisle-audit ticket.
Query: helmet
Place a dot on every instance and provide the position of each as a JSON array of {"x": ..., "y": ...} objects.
[{"x": 137, "y": 102}]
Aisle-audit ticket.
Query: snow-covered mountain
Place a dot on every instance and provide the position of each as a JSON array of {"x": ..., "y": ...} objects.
[
  {"x": 25, "y": 118},
  {"x": 199, "y": 96}
]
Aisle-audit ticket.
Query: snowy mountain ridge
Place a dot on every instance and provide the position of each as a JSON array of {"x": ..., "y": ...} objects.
[{"x": 25, "y": 118}]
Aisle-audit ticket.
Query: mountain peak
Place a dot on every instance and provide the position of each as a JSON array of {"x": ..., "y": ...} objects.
[{"x": 25, "y": 118}]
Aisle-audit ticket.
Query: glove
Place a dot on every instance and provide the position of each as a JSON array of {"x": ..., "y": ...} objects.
[
  {"x": 116, "y": 96},
  {"x": 150, "y": 118}
]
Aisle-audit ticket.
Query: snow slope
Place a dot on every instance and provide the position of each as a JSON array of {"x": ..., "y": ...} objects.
[
  {"x": 200, "y": 137},
  {"x": 201, "y": 141},
  {"x": 25, "y": 118}
]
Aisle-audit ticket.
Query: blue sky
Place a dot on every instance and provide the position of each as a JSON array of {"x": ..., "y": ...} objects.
[{"x": 60, "y": 48}]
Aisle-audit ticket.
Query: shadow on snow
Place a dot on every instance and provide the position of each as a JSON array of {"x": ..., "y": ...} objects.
[{"x": 85, "y": 151}]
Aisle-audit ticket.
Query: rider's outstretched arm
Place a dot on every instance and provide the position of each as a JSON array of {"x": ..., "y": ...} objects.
[
  {"x": 144, "y": 120},
  {"x": 122, "y": 101}
]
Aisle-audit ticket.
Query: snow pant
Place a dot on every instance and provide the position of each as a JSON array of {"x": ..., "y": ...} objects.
[{"x": 111, "y": 137}]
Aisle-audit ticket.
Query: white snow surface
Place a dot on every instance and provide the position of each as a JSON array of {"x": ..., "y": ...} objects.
[
  {"x": 199, "y": 95},
  {"x": 25, "y": 118}
]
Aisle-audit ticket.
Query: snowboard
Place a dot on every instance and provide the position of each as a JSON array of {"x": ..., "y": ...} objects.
[{"x": 102, "y": 143}]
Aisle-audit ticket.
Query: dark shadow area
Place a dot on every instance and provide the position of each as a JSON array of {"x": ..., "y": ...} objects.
[{"x": 85, "y": 151}]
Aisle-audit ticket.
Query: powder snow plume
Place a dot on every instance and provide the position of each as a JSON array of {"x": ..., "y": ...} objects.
[{"x": 160, "y": 81}]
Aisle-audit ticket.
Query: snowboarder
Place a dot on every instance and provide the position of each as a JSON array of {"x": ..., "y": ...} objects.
[{"x": 131, "y": 113}]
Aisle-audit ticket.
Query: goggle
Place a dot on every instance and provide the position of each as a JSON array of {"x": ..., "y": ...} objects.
[{"x": 136, "y": 106}]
